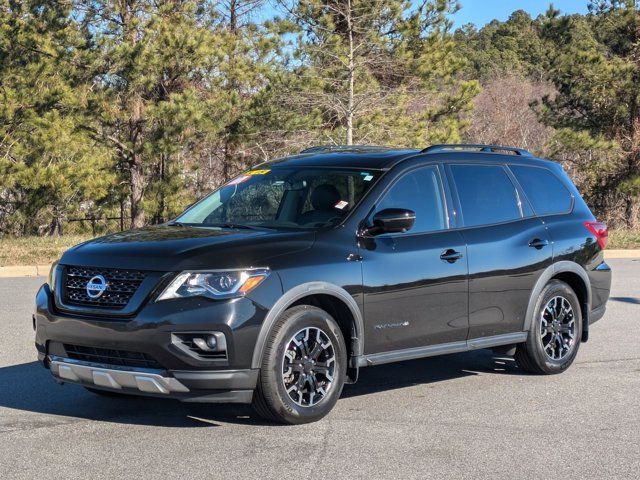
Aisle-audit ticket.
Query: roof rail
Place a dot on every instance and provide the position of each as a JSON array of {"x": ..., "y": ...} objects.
[
  {"x": 479, "y": 147},
  {"x": 338, "y": 148}
]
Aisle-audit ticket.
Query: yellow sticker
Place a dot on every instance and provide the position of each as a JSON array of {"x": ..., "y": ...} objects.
[{"x": 257, "y": 172}]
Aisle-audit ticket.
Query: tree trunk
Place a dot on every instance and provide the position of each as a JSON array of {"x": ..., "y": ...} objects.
[
  {"x": 122, "y": 200},
  {"x": 137, "y": 192},
  {"x": 632, "y": 212},
  {"x": 162, "y": 202},
  {"x": 351, "y": 79},
  {"x": 55, "y": 227}
]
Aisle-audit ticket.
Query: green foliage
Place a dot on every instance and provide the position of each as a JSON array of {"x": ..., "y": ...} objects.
[
  {"x": 50, "y": 168},
  {"x": 596, "y": 73},
  {"x": 142, "y": 106},
  {"x": 377, "y": 71},
  {"x": 592, "y": 62},
  {"x": 151, "y": 60},
  {"x": 512, "y": 46}
]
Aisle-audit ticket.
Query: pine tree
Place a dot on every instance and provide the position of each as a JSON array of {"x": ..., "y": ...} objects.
[
  {"x": 152, "y": 59},
  {"x": 246, "y": 60},
  {"x": 513, "y": 46},
  {"x": 597, "y": 108},
  {"x": 50, "y": 168},
  {"x": 378, "y": 71}
]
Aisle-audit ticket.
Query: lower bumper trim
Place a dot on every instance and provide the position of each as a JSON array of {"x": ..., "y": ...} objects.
[
  {"x": 218, "y": 379},
  {"x": 143, "y": 381},
  {"x": 219, "y": 386}
]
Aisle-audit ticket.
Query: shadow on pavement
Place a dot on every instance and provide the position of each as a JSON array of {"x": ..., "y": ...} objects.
[
  {"x": 30, "y": 388},
  {"x": 429, "y": 370},
  {"x": 633, "y": 300}
]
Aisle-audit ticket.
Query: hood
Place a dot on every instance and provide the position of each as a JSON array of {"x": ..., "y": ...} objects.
[{"x": 173, "y": 248}]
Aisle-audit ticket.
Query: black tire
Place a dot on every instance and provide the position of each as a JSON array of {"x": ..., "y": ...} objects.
[
  {"x": 271, "y": 400},
  {"x": 531, "y": 355}
]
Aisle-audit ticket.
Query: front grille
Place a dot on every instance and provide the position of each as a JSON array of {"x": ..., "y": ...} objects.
[
  {"x": 121, "y": 286},
  {"x": 109, "y": 356}
]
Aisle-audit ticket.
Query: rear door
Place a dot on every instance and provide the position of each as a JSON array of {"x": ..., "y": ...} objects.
[
  {"x": 508, "y": 248},
  {"x": 412, "y": 296}
]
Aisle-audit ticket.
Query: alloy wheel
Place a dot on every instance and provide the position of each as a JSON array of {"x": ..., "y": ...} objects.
[
  {"x": 558, "y": 328},
  {"x": 308, "y": 366}
]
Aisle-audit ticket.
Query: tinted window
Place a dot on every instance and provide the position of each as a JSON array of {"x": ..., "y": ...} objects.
[
  {"x": 486, "y": 194},
  {"x": 420, "y": 191},
  {"x": 544, "y": 190}
]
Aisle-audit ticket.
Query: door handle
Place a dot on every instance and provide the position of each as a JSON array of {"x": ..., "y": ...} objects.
[
  {"x": 354, "y": 257},
  {"x": 537, "y": 243},
  {"x": 451, "y": 256}
]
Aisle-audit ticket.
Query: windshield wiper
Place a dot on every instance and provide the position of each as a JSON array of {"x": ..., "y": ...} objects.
[
  {"x": 237, "y": 226},
  {"x": 176, "y": 224}
]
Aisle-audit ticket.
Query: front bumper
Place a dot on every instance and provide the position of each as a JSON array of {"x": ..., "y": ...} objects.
[
  {"x": 225, "y": 386},
  {"x": 149, "y": 333}
]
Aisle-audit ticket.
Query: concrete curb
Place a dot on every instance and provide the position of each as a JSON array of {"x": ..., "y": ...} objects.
[
  {"x": 613, "y": 254},
  {"x": 43, "y": 270},
  {"x": 25, "y": 271}
]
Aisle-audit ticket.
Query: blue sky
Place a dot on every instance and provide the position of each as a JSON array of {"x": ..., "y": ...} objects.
[{"x": 481, "y": 12}]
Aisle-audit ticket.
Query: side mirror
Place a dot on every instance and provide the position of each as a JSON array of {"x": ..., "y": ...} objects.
[{"x": 392, "y": 220}]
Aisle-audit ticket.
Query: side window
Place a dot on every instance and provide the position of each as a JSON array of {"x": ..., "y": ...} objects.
[
  {"x": 420, "y": 191},
  {"x": 486, "y": 194},
  {"x": 544, "y": 190}
]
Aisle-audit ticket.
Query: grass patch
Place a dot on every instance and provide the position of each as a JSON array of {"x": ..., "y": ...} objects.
[
  {"x": 44, "y": 250},
  {"x": 624, "y": 239},
  {"x": 35, "y": 250}
]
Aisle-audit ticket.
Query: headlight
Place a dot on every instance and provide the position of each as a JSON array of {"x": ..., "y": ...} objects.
[
  {"x": 52, "y": 276},
  {"x": 215, "y": 285}
]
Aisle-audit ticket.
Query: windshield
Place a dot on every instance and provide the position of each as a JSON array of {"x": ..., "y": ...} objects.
[{"x": 305, "y": 198}]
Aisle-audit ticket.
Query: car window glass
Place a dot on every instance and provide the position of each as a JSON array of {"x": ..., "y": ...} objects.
[
  {"x": 284, "y": 198},
  {"x": 544, "y": 190},
  {"x": 256, "y": 203},
  {"x": 420, "y": 191},
  {"x": 486, "y": 194}
]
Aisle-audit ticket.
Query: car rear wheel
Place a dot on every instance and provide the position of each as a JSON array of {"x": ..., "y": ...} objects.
[
  {"x": 555, "y": 331},
  {"x": 303, "y": 367}
]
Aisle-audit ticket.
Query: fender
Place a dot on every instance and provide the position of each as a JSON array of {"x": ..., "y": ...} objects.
[
  {"x": 295, "y": 294},
  {"x": 548, "y": 274}
]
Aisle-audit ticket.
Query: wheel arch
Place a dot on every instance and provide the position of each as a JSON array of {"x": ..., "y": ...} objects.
[
  {"x": 576, "y": 277},
  {"x": 336, "y": 300}
]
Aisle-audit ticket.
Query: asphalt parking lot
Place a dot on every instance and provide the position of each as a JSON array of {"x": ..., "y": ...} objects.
[{"x": 469, "y": 415}]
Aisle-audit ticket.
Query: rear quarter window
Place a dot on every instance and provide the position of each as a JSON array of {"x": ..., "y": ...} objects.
[{"x": 546, "y": 193}]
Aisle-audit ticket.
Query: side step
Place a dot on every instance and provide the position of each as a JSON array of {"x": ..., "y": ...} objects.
[{"x": 442, "y": 349}]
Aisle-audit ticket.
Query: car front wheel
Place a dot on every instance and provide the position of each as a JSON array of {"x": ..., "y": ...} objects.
[{"x": 303, "y": 367}]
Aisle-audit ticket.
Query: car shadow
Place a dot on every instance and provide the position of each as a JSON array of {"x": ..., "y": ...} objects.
[
  {"x": 633, "y": 300},
  {"x": 29, "y": 387},
  {"x": 430, "y": 370}
]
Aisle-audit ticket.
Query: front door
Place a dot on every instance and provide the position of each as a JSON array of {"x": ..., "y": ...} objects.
[{"x": 415, "y": 283}]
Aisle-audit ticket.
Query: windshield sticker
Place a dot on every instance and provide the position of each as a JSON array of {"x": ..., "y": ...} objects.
[
  {"x": 368, "y": 178},
  {"x": 238, "y": 180},
  {"x": 258, "y": 172},
  {"x": 341, "y": 205}
]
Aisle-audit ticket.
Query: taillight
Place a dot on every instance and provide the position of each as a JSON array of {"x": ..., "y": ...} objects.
[{"x": 600, "y": 231}]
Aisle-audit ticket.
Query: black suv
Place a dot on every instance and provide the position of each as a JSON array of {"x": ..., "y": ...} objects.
[{"x": 279, "y": 286}]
